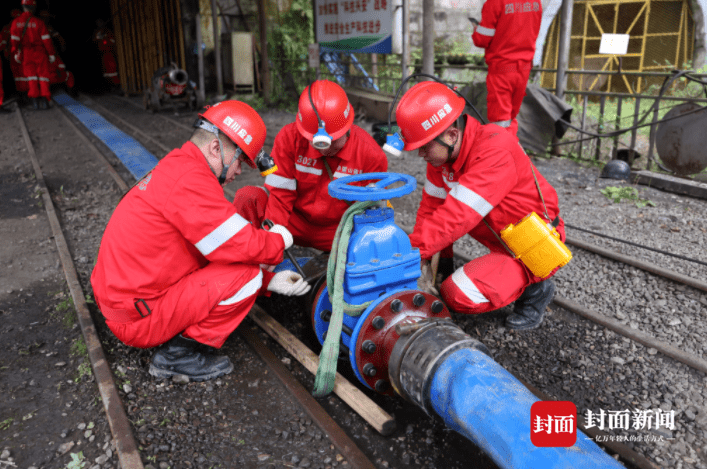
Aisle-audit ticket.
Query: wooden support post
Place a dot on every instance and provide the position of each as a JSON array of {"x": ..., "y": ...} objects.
[
  {"x": 357, "y": 400},
  {"x": 600, "y": 128},
  {"x": 651, "y": 144}
]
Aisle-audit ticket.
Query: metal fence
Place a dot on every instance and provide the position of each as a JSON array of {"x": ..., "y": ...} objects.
[{"x": 387, "y": 75}]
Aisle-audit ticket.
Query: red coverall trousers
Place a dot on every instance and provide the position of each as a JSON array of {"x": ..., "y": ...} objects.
[
  {"x": 206, "y": 305},
  {"x": 251, "y": 201},
  {"x": 506, "y": 89},
  {"x": 35, "y": 67}
]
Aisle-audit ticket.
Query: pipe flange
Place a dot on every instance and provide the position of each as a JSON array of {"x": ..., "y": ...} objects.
[{"x": 378, "y": 333}]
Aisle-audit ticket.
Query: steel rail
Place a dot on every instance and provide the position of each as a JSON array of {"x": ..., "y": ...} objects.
[
  {"x": 171, "y": 121},
  {"x": 115, "y": 412},
  {"x": 333, "y": 431},
  {"x": 646, "y": 339},
  {"x": 621, "y": 449}
]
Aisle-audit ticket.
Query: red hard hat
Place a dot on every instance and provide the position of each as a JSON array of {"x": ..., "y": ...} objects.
[
  {"x": 332, "y": 105},
  {"x": 29, "y": 3},
  {"x": 241, "y": 123},
  {"x": 425, "y": 111}
]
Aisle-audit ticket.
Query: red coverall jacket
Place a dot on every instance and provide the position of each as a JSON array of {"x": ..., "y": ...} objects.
[
  {"x": 508, "y": 31},
  {"x": 492, "y": 180},
  {"x": 36, "y": 46},
  {"x": 20, "y": 81},
  {"x": 177, "y": 243},
  {"x": 299, "y": 194}
]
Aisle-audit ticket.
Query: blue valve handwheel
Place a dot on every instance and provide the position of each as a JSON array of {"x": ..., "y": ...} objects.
[{"x": 341, "y": 189}]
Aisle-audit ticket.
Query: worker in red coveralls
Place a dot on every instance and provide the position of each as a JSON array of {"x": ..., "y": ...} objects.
[
  {"x": 5, "y": 50},
  {"x": 58, "y": 73},
  {"x": 508, "y": 31},
  {"x": 105, "y": 41},
  {"x": 479, "y": 180},
  {"x": 296, "y": 195},
  {"x": 32, "y": 47},
  {"x": 177, "y": 265},
  {"x": 20, "y": 81}
]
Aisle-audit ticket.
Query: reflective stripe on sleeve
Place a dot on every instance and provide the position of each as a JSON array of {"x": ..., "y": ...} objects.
[
  {"x": 249, "y": 289},
  {"x": 485, "y": 31},
  {"x": 506, "y": 123},
  {"x": 220, "y": 235},
  {"x": 16, "y": 38},
  {"x": 307, "y": 169},
  {"x": 45, "y": 36},
  {"x": 467, "y": 287},
  {"x": 472, "y": 199},
  {"x": 280, "y": 182},
  {"x": 435, "y": 191}
]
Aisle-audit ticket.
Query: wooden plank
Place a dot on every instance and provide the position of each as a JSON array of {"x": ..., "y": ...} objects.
[{"x": 357, "y": 400}]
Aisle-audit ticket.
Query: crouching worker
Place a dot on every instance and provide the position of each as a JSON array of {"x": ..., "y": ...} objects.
[
  {"x": 323, "y": 144},
  {"x": 177, "y": 265},
  {"x": 479, "y": 180}
]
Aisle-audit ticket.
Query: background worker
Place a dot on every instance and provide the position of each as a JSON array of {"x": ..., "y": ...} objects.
[
  {"x": 32, "y": 47},
  {"x": 479, "y": 180},
  {"x": 58, "y": 73},
  {"x": 177, "y": 265},
  {"x": 104, "y": 39},
  {"x": 296, "y": 195},
  {"x": 21, "y": 85},
  {"x": 508, "y": 31}
]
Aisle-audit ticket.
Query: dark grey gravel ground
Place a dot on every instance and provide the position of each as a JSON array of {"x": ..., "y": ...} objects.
[{"x": 246, "y": 419}]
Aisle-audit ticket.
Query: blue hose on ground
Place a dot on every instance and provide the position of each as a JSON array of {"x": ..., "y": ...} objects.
[{"x": 479, "y": 399}]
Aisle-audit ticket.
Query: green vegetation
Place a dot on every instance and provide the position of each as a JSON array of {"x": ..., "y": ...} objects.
[
  {"x": 77, "y": 461},
  {"x": 5, "y": 424},
  {"x": 617, "y": 194}
]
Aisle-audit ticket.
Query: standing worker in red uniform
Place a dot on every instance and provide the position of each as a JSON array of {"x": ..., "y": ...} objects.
[
  {"x": 32, "y": 47},
  {"x": 296, "y": 195},
  {"x": 508, "y": 31},
  {"x": 177, "y": 265},
  {"x": 105, "y": 41},
  {"x": 479, "y": 180},
  {"x": 20, "y": 81}
]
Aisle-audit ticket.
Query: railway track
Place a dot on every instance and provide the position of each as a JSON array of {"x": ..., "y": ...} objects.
[{"x": 510, "y": 348}]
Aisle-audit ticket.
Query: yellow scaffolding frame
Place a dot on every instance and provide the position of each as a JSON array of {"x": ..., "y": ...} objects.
[{"x": 683, "y": 33}]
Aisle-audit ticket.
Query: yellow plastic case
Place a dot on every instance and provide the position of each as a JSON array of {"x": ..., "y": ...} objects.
[{"x": 537, "y": 244}]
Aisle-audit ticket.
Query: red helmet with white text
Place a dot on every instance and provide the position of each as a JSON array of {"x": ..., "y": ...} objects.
[
  {"x": 332, "y": 105},
  {"x": 241, "y": 123},
  {"x": 425, "y": 111}
]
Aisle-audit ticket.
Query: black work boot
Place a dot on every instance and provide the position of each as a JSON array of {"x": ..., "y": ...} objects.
[
  {"x": 43, "y": 103},
  {"x": 529, "y": 308},
  {"x": 35, "y": 104},
  {"x": 181, "y": 356}
]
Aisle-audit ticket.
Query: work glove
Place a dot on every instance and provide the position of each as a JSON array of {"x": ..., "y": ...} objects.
[
  {"x": 51, "y": 59},
  {"x": 284, "y": 232},
  {"x": 288, "y": 283},
  {"x": 426, "y": 283}
]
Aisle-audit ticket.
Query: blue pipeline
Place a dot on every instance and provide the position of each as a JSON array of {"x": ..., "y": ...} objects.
[
  {"x": 134, "y": 156},
  {"x": 479, "y": 399}
]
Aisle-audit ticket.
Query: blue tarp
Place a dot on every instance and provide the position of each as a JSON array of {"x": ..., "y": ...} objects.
[{"x": 134, "y": 156}]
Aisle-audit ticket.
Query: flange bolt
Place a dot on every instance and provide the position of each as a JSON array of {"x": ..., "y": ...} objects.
[
  {"x": 382, "y": 385},
  {"x": 418, "y": 300},
  {"x": 369, "y": 369},
  {"x": 378, "y": 322},
  {"x": 396, "y": 306},
  {"x": 368, "y": 346},
  {"x": 325, "y": 315},
  {"x": 437, "y": 307}
]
